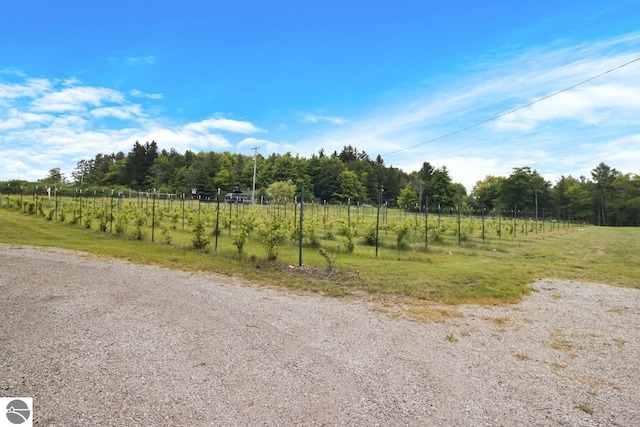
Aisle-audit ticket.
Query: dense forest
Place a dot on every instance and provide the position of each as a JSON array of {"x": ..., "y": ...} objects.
[{"x": 607, "y": 197}]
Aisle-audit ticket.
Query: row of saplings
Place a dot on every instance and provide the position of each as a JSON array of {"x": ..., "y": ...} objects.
[{"x": 131, "y": 220}]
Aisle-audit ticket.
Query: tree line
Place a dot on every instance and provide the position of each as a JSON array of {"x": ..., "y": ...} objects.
[{"x": 607, "y": 197}]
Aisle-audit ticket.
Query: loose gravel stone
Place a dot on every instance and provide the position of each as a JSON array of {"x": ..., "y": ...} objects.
[{"x": 104, "y": 342}]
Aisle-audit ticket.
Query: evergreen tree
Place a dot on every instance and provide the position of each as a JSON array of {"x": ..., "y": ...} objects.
[
  {"x": 603, "y": 176},
  {"x": 139, "y": 162}
]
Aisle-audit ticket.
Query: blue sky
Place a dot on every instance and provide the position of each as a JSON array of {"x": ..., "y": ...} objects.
[{"x": 79, "y": 78}]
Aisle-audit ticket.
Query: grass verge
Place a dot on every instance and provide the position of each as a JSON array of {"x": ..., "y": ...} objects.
[{"x": 498, "y": 272}]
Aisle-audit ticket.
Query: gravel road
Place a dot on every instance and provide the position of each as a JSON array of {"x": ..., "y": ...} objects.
[{"x": 106, "y": 343}]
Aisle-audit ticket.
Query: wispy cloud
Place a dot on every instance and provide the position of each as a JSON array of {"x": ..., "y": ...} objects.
[
  {"x": 12, "y": 71},
  {"x": 546, "y": 135},
  {"x": 123, "y": 112},
  {"x": 16, "y": 119},
  {"x": 314, "y": 118},
  {"x": 71, "y": 82},
  {"x": 181, "y": 139},
  {"x": 265, "y": 145},
  {"x": 141, "y": 94},
  {"x": 47, "y": 123},
  {"x": 222, "y": 124},
  {"x": 75, "y": 99},
  {"x": 29, "y": 88},
  {"x": 133, "y": 60}
]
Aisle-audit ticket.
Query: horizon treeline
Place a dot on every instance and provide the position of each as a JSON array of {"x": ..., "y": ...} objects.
[{"x": 607, "y": 197}]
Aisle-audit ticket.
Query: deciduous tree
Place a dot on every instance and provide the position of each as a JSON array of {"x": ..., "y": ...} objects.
[{"x": 408, "y": 197}]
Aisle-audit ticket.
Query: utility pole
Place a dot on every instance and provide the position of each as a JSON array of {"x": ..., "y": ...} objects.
[{"x": 253, "y": 191}]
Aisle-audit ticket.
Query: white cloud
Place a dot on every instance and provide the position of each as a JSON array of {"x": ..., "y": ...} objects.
[
  {"x": 71, "y": 82},
  {"x": 69, "y": 139},
  {"x": 313, "y": 118},
  {"x": 12, "y": 71},
  {"x": 616, "y": 99},
  {"x": 75, "y": 99},
  {"x": 54, "y": 125},
  {"x": 141, "y": 94},
  {"x": 449, "y": 123},
  {"x": 228, "y": 125},
  {"x": 29, "y": 89},
  {"x": 124, "y": 112},
  {"x": 133, "y": 60},
  {"x": 182, "y": 139},
  {"x": 17, "y": 119},
  {"x": 265, "y": 146},
  {"x": 12, "y": 123},
  {"x": 621, "y": 153},
  {"x": 14, "y": 166}
]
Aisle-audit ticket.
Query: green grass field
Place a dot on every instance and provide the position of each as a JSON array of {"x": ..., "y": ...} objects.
[{"x": 495, "y": 272}]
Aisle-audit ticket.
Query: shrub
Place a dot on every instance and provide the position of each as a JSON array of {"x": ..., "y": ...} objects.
[
  {"x": 246, "y": 224},
  {"x": 31, "y": 207},
  {"x": 87, "y": 220},
  {"x": 272, "y": 236},
  {"x": 370, "y": 235},
  {"x": 104, "y": 218},
  {"x": 402, "y": 233},
  {"x": 349, "y": 244},
  {"x": 200, "y": 241},
  {"x": 310, "y": 234},
  {"x": 166, "y": 234},
  {"x": 40, "y": 207},
  {"x": 343, "y": 228},
  {"x": 240, "y": 238},
  {"x": 121, "y": 224},
  {"x": 138, "y": 234},
  {"x": 175, "y": 217}
]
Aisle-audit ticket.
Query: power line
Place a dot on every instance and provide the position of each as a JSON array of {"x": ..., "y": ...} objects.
[{"x": 514, "y": 110}]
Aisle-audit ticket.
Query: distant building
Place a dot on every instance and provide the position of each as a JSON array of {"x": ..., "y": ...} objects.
[{"x": 237, "y": 197}]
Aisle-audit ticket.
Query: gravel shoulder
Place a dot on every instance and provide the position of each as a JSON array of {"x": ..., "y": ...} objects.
[{"x": 104, "y": 342}]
